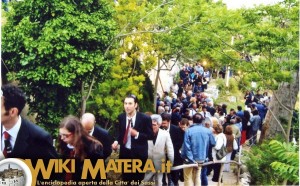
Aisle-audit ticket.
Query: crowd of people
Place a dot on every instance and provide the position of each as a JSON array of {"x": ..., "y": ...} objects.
[
  {"x": 194, "y": 111},
  {"x": 186, "y": 128}
]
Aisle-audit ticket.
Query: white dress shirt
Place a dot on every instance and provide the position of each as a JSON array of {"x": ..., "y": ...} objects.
[
  {"x": 13, "y": 132},
  {"x": 128, "y": 143}
]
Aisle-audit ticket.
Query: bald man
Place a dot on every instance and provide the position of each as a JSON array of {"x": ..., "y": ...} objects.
[{"x": 88, "y": 122}]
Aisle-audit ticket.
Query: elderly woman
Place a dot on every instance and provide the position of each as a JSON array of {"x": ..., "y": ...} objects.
[
  {"x": 157, "y": 149},
  {"x": 76, "y": 143}
]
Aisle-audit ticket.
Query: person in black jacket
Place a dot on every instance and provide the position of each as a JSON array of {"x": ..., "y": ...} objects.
[
  {"x": 76, "y": 143},
  {"x": 25, "y": 140},
  {"x": 132, "y": 134},
  {"x": 88, "y": 122},
  {"x": 30, "y": 141},
  {"x": 177, "y": 140}
]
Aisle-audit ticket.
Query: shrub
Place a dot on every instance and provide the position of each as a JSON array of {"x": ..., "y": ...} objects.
[
  {"x": 221, "y": 85},
  {"x": 232, "y": 88},
  {"x": 273, "y": 163}
]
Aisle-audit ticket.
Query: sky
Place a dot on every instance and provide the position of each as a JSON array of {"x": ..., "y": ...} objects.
[
  {"x": 233, "y": 4},
  {"x": 12, "y": 165}
]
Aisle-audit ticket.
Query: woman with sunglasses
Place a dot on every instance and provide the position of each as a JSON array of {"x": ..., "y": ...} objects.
[{"x": 76, "y": 143}]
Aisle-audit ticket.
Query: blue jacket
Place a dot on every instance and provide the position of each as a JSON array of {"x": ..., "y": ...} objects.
[
  {"x": 197, "y": 140},
  {"x": 255, "y": 122},
  {"x": 262, "y": 110}
]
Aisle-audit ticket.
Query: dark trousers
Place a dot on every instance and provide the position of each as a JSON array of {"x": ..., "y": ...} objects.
[
  {"x": 168, "y": 177},
  {"x": 172, "y": 177},
  {"x": 204, "y": 181},
  {"x": 217, "y": 170},
  {"x": 131, "y": 178},
  {"x": 175, "y": 176}
]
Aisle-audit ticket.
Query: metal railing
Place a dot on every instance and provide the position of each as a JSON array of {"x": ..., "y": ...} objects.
[{"x": 238, "y": 163}]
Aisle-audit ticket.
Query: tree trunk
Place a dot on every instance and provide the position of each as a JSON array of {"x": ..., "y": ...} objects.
[
  {"x": 156, "y": 85},
  {"x": 281, "y": 110},
  {"x": 85, "y": 96},
  {"x": 83, "y": 100},
  {"x": 83, "y": 107}
]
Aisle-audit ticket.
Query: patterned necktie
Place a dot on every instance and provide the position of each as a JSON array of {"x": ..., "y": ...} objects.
[
  {"x": 126, "y": 132},
  {"x": 7, "y": 146}
]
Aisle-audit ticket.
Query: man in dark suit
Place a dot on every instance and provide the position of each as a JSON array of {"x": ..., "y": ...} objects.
[
  {"x": 19, "y": 137},
  {"x": 88, "y": 122},
  {"x": 133, "y": 131},
  {"x": 177, "y": 140}
]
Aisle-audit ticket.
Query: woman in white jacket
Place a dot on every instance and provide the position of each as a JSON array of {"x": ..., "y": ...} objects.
[
  {"x": 220, "y": 141},
  {"x": 230, "y": 146}
]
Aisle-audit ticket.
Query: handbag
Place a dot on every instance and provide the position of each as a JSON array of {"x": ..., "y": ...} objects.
[{"x": 221, "y": 153}]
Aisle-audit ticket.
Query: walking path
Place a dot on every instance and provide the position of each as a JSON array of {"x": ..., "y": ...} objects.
[{"x": 229, "y": 179}]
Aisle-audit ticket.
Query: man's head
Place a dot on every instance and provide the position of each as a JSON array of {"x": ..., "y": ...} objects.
[
  {"x": 221, "y": 113},
  {"x": 166, "y": 93},
  {"x": 197, "y": 118},
  {"x": 239, "y": 108},
  {"x": 189, "y": 93},
  {"x": 232, "y": 112},
  {"x": 130, "y": 104},
  {"x": 255, "y": 112},
  {"x": 13, "y": 102},
  {"x": 167, "y": 108},
  {"x": 184, "y": 124},
  {"x": 88, "y": 121},
  {"x": 156, "y": 122},
  {"x": 166, "y": 118},
  {"x": 13, "y": 97},
  {"x": 160, "y": 109}
]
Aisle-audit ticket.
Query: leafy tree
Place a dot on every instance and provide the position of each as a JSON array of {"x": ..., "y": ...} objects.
[
  {"x": 132, "y": 58},
  {"x": 268, "y": 42},
  {"x": 55, "y": 50}
]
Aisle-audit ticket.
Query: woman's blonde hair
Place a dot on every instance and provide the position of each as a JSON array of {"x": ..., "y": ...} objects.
[
  {"x": 210, "y": 121},
  {"x": 218, "y": 128}
]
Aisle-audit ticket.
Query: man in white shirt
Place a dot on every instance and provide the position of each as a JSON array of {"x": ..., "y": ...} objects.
[
  {"x": 19, "y": 137},
  {"x": 133, "y": 132}
]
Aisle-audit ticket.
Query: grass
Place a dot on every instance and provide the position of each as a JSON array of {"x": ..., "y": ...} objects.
[{"x": 225, "y": 94}]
